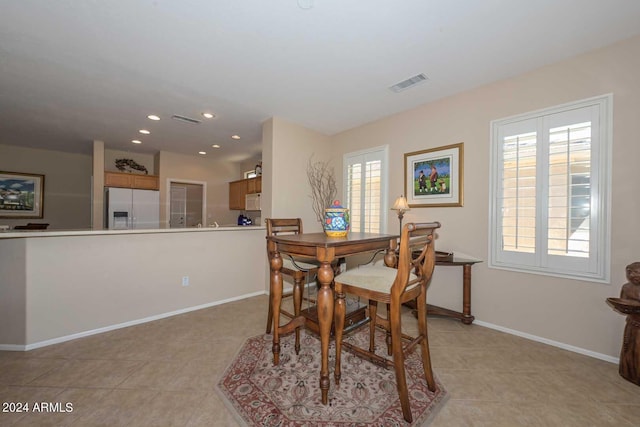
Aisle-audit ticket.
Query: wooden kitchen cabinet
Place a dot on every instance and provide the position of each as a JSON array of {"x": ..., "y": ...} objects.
[
  {"x": 146, "y": 182},
  {"x": 129, "y": 180},
  {"x": 112, "y": 179},
  {"x": 254, "y": 185},
  {"x": 239, "y": 189}
]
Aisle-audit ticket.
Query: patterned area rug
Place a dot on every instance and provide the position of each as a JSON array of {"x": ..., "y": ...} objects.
[{"x": 288, "y": 395}]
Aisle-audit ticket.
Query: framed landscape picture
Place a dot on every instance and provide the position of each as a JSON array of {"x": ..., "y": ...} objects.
[
  {"x": 434, "y": 177},
  {"x": 21, "y": 195}
]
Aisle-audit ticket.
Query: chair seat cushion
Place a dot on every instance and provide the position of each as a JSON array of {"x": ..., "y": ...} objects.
[
  {"x": 377, "y": 278},
  {"x": 299, "y": 264}
]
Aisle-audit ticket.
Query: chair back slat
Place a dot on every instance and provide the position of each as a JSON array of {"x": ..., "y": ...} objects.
[
  {"x": 417, "y": 255},
  {"x": 277, "y": 226}
]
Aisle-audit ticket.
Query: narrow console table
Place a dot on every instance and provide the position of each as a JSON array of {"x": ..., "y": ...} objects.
[{"x": 466, "y": 262}]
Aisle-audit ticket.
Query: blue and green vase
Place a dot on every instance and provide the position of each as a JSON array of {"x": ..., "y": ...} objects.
[{"x": 336, "y": 220}]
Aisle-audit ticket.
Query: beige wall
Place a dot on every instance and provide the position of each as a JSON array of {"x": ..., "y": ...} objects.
[
  {"x": 67, "y": 184},
  {"x": 97, "y": 186},
  {"x": 217, "y": 175},
  {"x": 567, "y": 311},
  {"x": 289, "y": 147},
  {"x": 286, "y": 149},
  {"x": 248, "y": 165},
  {"x": 268, "y": 174},
  {"x": 13, "y": 293}
]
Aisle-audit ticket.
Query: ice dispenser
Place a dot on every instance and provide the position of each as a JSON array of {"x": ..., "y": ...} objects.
[{"x": 120, "y": 220}]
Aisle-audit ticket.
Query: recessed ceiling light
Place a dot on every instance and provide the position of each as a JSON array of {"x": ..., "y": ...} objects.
[
  {"x": 208, "y": 115},
  {"x": 202, "y": 152},
  {"x": 144, "y": 131},
  {"x": 153, "y": 117},
  {"x": 136, "y": 141},
  {"x": 235, "y": 137},
  {"x": 215, "y": 146}
]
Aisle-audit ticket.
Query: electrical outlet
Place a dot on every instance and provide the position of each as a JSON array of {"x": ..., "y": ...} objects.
[{"x": 185, "y": 280}]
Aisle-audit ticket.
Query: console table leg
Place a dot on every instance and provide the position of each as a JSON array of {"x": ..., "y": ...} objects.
[{"x": 467, "y": 318}]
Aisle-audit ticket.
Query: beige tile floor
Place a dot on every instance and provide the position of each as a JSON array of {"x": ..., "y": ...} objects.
[{"x": 163, "y": 373}]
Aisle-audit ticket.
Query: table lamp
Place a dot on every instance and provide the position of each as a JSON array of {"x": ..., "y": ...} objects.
[{"x": 401, "y": 206}]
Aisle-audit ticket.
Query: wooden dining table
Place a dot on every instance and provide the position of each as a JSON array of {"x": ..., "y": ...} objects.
[{"x": 325, "y": 250}]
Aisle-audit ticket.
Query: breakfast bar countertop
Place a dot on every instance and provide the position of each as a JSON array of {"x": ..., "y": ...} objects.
[{"x": 17, "y": 234}]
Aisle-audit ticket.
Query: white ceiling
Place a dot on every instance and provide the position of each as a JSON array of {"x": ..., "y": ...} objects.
[{"x": 72, "y": 71}]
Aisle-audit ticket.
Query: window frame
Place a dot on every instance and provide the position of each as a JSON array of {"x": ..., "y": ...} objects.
[
  {"x": 382, "y": 152},
  {"x": 570, "y": 267}
]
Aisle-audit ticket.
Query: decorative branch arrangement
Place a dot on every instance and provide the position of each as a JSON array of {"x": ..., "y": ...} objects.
[
  {"x": 122, "y": 164},
  {"x": 322, "y": 180}
]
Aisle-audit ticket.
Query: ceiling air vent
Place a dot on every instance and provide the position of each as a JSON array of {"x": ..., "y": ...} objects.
[
  {"x": 410, "y": 82},
  {"x": 186, "y": 119}
]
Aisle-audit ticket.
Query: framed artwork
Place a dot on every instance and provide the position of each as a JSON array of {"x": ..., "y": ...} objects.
[
  {"x": 21, "y": 195},
  {"x": 434, "y": 177}
]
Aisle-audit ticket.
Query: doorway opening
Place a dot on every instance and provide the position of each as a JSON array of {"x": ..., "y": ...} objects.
[{"x": 187, "y": 204}]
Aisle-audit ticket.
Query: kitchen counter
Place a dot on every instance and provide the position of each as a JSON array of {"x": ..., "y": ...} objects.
[{"x": 14, "y": 234}]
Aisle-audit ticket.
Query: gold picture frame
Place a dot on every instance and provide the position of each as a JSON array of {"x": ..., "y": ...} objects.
[
  {"x": 21, "y": 195},
  {"x": 434, "y": 177}
]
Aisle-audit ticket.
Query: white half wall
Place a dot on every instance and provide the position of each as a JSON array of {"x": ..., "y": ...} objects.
[{"x": 73, "y": 284}]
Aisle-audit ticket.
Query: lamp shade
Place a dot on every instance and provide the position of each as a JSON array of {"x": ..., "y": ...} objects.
[{"x": 401, "y": 204}]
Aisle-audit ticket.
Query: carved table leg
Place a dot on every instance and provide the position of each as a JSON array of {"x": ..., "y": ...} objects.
[
  {"x": 276, "y": 299},
  {"x": 325, "y": 317}
]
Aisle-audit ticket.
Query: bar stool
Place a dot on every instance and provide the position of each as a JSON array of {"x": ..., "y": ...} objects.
[
  {"x": 300, "y": 270},
  {"x": 393, "y": 287}
]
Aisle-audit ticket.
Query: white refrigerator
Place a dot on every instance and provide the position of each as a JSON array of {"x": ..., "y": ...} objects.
[{"x": 130, "y": 209}]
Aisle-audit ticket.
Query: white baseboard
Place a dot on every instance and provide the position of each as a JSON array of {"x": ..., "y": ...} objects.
[
  {"x": 17, "y": 347},
  {"x": 558, "y": 344}
]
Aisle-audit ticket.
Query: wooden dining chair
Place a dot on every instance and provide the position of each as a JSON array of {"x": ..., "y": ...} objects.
[
  {"x": 391, "y": 286},
  {"x": 300, "y": 270}
]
